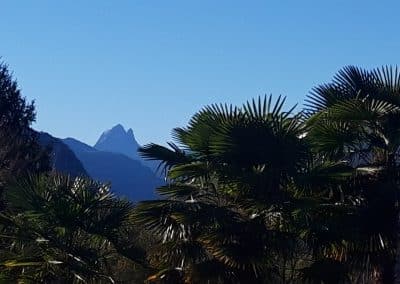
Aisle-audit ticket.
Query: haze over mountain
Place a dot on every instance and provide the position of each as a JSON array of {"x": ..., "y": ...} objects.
[
  {"x": 128, "y": 177},
  {"x": 117, "y": 140},
  {"x": 114, "y": 159},
  {"x": 62, "y": 158}
]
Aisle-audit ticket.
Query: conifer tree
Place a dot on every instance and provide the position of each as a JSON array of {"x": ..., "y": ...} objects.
[{"x": 20, "y": 152}]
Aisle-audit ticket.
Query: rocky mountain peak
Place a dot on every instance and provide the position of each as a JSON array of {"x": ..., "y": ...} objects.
[{"x": 118, "y": 140}]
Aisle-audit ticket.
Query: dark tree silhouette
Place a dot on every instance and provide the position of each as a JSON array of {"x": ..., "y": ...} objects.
[{"x": 19, "y": 151}]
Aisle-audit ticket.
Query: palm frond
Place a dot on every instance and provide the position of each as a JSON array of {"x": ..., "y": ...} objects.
[{"x": 167, "y": 157}]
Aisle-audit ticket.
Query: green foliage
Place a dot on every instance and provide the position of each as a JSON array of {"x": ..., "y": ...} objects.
[
  {"x": 269, "y": 195},
  {"x": 225, "y": 201},
  {"x": 258, "y": 193},
  {"x": 19, "y": 150},
  {"x": 56, "y": 227}
]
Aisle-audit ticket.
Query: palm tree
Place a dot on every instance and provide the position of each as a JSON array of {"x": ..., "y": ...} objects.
[
  {"x": 56, "y": 227},
  {"x": 232, "y": 189},
  {"x": 355, "y": 119},
  {"x": 262, "y": 193},
  {"x": 254, "y": 194}
]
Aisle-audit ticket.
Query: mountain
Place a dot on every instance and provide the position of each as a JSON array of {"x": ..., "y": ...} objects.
[
  {"x": 117, "y": 140},
  {"x": 128, "y": 177},
  {"x": 62, "y": 157}
]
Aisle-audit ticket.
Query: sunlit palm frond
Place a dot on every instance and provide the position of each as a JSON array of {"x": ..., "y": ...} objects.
[
  {"x": 70, "y": 226},
  {"x": 167, "y": 157},
  {"x": 348, "y": 83}
]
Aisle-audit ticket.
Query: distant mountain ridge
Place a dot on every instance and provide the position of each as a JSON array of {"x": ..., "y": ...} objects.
[
  {"x": 128, "y": 177},
  {"x": 113, "y": 159},
  {"x": 117, "y": 140},
  {"x": 62, "y": 158}
]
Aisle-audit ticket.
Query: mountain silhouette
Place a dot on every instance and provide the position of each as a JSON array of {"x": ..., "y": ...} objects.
[
  {"x": 62, "y": 158},
  {"x": 117, "y": 140},
  {"x": 128, "y": 177}
]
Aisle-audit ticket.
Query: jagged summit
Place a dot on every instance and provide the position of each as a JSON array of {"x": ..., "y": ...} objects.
[
  {"x": 130, "y": 133},
  {"x": 118, "y": 140},
  {"x": 117, "y": 130}
]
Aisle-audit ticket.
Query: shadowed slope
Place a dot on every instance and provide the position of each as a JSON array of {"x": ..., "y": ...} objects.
[{"x": 128, "y": 177}]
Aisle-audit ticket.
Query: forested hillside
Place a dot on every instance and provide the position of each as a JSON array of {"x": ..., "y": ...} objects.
[{"x": 62, "y": 159}]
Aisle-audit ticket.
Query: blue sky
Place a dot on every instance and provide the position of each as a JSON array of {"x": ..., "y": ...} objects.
[{"x": 151, "y": 64}]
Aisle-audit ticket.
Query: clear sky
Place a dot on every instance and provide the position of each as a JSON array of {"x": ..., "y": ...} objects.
[{"x": 150, "y": 65}]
